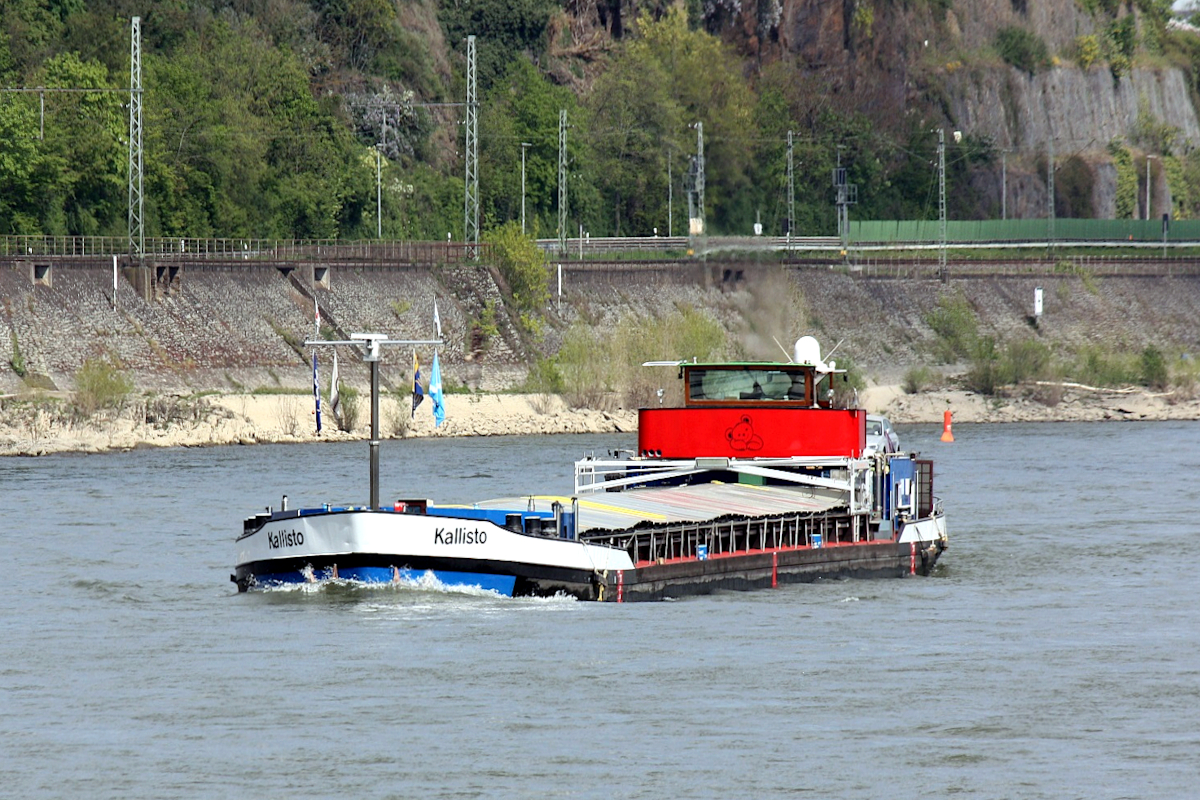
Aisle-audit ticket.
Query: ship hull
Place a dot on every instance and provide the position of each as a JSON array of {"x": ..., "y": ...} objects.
[{"x": 459, "y": 554}]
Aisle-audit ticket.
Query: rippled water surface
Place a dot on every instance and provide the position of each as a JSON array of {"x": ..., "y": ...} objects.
[{"x": 1056, "y": 654}]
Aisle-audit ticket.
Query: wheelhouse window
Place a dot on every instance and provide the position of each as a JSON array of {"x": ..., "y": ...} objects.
[{"x": 747, "y": 384}]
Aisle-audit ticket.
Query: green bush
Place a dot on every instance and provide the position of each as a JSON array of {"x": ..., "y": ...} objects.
[
  {"x": 523, "y": 266},
  {"x": 1127, "y": 180},
  {"x": 1024, "y": 50},
  {"x": 348, "y": 403},
  {"x": 1122, "y": 36},
  {"x": 98, "y": 385},
  {"x": 1087, "y": 50},
  {"x": 916, "y": 379},
  {"x": 985, "y": 373},
  {"x": 17, "y": 362},
  {"x": 543, "y": 378},
  {"x": 485, "y": 328},
  {"x": 1025, "y": 360},
  {"x": 1154, "y": 369},
  {"x": 956, "y": 327}
]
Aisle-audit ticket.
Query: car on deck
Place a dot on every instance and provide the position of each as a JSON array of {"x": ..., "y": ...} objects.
[{"x": 881, "y": 437}]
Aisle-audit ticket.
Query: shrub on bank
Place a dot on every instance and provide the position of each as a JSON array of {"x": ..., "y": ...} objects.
[
  {"x": 956, "y": 327},
  {"x": 917, "y": 379},
  {"x": 100, "y": 385},
  {"x": 17, "y": 362},
  {"x": 1154, "y": 369}
]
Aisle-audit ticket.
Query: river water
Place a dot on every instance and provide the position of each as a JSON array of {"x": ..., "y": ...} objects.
[{"x": 1055, "y": 654}]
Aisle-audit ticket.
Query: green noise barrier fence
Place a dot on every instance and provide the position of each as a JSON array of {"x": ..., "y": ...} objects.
[{"x": 1024, "y": 230}]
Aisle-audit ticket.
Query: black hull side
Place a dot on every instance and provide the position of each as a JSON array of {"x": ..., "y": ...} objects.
[{"x": 763, "y": 570}]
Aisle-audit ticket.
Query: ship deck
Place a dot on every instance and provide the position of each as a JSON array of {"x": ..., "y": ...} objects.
[{"x": 618, "y": 511}]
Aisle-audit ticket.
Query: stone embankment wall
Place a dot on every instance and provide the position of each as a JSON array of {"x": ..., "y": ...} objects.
[{"x": 242, "y": 329}]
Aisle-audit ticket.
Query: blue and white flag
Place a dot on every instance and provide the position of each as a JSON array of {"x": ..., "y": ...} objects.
[
  {"x": 435, "y": 391},
  {"x": 316, "y": 391}
]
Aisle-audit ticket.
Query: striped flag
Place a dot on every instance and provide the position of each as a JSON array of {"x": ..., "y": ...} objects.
[{"x": 418, "y": 395}]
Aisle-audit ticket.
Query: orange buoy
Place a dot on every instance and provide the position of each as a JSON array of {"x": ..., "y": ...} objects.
[{"x": 947, "y": 436}]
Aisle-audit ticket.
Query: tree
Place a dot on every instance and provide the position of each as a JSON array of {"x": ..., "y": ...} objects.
[
  {"x": 522, "y": 264},
  {"x": 80, "y": 167},
  {"x": 505, "y": 29},
  {"x": 704, "y": 78},
  {"x": 636, "y": 127},
  {"x": 18, "y": 131}
]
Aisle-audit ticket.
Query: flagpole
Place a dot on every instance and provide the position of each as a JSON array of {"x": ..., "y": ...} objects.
[{"x": 316, "y": 380}]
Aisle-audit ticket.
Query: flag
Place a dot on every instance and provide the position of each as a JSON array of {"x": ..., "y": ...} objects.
[
  {"x": 437, "y": 320},
  {"x": 418, "y": 395},
  {"x": 316, "y": 390},
  {"x": 335, "y": 400},
  {"x": 317, "y": 316},
  {"x": 435, "y": 392}
]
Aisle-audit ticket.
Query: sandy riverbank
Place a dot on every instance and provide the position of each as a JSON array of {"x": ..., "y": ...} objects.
[
  {"x": 31, "y": 429},
  {"x": 26, "y": 429}
]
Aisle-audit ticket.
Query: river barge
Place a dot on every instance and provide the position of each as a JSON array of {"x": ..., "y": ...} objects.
[{"x": 754, "y": 480}]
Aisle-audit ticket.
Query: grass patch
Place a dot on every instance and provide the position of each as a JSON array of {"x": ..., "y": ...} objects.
[
  {"x": 1066, "y": 267},
  {"x": 1096, "y": 367},
  {"x": 290, "y": 338},
  {"x": 398, "y": 417},
  {"x": 284, "y": 390}
]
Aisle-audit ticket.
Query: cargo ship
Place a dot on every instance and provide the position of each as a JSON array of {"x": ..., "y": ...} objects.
[{"x": 753, "y": 480}]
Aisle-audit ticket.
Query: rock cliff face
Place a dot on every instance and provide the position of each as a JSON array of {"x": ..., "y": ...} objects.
[
  {"x": 935, "y": 62},
  {"x": 1081, "y": 109}
]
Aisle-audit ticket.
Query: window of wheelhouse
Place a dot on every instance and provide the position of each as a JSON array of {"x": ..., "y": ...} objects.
[{"x": 749, "y": 384}]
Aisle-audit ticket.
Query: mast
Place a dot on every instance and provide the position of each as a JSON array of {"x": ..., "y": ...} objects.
[{"x": 371, "y": 342}]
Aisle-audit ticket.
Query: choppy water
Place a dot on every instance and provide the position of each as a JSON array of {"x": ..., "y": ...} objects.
[{"x": 1055, "y": 655}]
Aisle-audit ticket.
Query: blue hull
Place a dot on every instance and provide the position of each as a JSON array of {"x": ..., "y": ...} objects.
[{"x": 500, "y": 584}]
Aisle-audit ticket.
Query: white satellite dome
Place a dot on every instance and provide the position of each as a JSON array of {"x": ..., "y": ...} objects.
[{"x": 807, "y": 350}]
